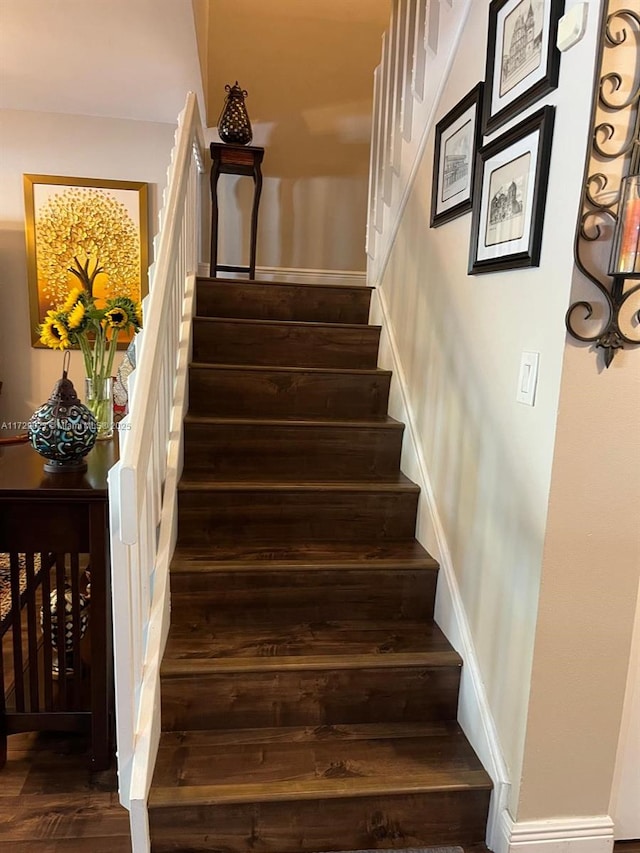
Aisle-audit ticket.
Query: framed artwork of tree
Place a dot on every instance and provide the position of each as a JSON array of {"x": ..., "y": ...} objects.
[{"x": 84, "y": 232}]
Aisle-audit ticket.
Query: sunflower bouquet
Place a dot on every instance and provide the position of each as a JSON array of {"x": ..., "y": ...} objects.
[{"x": 78, "y": 321}]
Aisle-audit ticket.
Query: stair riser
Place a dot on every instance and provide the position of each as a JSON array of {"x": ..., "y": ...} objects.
[
  {"x": 306, "y": 826},
  {"x": 297, "y": 596},
  {"x": 223, "y": 342},
  {"x": 227, "y": 451},
  {"x": 287, "y": 394},
  {"x": 289, "y": 697},
  {"x": 273, "y": 301},
  {"x": 280, "y": 516}
]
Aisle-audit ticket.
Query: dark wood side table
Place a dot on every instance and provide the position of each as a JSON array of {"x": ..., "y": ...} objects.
[
  {"x": 235, "y": 160},
  {"x": 59, "y": 522}
]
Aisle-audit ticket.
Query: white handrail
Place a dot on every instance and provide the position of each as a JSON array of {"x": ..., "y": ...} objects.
[{"x": 143, "y": 484}]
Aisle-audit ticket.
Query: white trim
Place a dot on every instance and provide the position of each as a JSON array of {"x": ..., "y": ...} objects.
[
  {"x": 591, "y": 834},
  {"x": 300, "y": 276},
  {"x": 474, "y": 713}
]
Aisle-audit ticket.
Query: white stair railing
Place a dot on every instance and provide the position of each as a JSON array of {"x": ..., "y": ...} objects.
[
  {"x": 417, "y": 51},
  {"x": 143, "y": 484}
]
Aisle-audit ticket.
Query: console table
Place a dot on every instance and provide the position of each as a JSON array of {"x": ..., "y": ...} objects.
[
  {"x": 54, "y": 526},
  {"x": 235, "y": 160}
]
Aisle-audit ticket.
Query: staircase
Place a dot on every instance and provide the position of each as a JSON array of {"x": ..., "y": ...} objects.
[{"x": 308, "y": 697}]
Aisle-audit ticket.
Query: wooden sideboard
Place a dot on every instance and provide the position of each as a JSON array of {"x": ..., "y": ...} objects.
[{"x": 54, "y": 527}]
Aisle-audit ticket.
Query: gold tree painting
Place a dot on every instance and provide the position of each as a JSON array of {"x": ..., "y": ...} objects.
[{"x": 84, "y": 231}]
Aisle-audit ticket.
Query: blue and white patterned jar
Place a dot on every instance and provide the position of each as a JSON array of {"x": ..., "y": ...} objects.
[{"x": 63, "y": 430}]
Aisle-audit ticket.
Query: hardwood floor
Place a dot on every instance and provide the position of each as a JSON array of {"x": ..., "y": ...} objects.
[{"x": 50, "y": 803}]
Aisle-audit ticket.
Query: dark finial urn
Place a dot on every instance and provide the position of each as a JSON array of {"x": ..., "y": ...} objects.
[
  {"x": 63, "y": 430},
  {"x": 234, "y": 126}
]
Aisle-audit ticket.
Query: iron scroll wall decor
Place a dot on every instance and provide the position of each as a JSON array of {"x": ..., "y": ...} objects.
[{"x": 614, "y": 155}]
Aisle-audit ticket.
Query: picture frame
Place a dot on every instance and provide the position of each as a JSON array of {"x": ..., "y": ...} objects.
[
  {"x": 457, "y": 139},
  {"x": 66, "y": 217},
  {"x": 510, "y": 195},
  {"x": 523, "y": 62}
]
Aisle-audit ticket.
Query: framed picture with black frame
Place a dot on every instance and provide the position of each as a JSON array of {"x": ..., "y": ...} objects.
[
  {"x": 523, "y": 62},
  {"x": 458, "y": 138},
  {"x": 510, "y": 193}
]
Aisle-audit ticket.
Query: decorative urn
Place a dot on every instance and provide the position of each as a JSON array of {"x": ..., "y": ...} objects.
[
  {"x": 63, "y": 430},
  {"x": 234, "y": 126}
]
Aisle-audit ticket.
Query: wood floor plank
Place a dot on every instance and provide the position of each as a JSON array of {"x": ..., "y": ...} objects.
[
  {"x": 113, "y": 844},
  {"x": 57, "y": 816}
]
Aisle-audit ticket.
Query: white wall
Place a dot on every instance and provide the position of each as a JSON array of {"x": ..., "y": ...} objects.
[
  {"x": 459, "y": 340},
  {"x": 69, "y": 145}
]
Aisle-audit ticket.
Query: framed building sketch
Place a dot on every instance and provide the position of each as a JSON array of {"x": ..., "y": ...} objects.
[
  {"x": 509, "y": 196},
  {"x": 457, "y": 141},
  {"x": 523, "y": 61},
  {"x": 84, "y": 229}
]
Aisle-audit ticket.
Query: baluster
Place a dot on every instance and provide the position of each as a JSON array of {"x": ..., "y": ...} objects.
[
  {"x": 32, "y": 633},
  {"x": 398, "y": 86},
  {"x": 45, "y": 569},
  {"x": 433, "y": 25},
  {"x": 373, "y": 161},
  {"x": 60, "y": 629},
  {"x": 390, "y": 98},
  {"x": 406, "y": 112},
  {"x": 16, "y": 625},
  {"x": 384, "y": 115},
  {"x": 419, "y": 50},
  {"x": 75, "y": 629}
]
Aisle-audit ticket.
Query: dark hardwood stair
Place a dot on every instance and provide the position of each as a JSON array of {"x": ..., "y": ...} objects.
[
  {"x": 283, "y": 450},
  {"x": 238, "y": 390},
  {"x": 273, "y": 300},
  {"x": 308, "y": 697},
  {"x": 274, "y": 342},
  {"x": 368, "y": 780},
  {"x": 210, "y": 511}
]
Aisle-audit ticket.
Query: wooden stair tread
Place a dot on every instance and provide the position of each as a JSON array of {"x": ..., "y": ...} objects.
[
  {"x": 315, "y": 324},
  {"x": 303, "y": 763},
  {"x": 199, "y": 666},
  {"x": 216, "y": 640},
  {"x": 320, "y": 555},
  {"x": 263, "y": 368},
  {"x": 294, "y": 284},
  {"x": 202, "y": 481},
  {"x": 384, "y": 422}
]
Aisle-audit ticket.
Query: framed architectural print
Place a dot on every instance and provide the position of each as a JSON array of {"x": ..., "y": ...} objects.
[
  {"x": 457, "y": 141},
  {"x": 523, "y": 61},
  {"x": 509, "y": 196},
  {"x": 84, "y": 230}
]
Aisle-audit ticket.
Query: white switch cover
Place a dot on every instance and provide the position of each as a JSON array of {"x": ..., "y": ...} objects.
[
  {"x": 528, "y": 379},
  {"x": 572, "y": 26}
]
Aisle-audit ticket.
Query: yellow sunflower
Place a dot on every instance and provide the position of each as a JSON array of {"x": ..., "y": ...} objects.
[
  {"x": 76, "y": 316},
  {"x": 53, "y": 333},
  {"x": 74, "y": 294},
  {"x": 117, "y": 318}
]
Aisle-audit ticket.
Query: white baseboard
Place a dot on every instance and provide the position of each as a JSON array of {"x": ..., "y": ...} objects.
[
  {"x": 474, "y": 713},
  {"x": 296, "y": 276},
  {"x": 593, "y": 834}
]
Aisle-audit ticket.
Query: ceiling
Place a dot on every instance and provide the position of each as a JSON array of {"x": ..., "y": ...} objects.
[{"x": 132, "y": 59}]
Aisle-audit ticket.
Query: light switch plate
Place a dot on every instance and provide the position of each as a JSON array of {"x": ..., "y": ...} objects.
[
  {"x": 572, "y": 26},
  {"x": 528, "y": 378}
]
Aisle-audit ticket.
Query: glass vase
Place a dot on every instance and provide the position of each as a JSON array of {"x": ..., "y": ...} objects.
[{"x": 99, "y": 398}]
